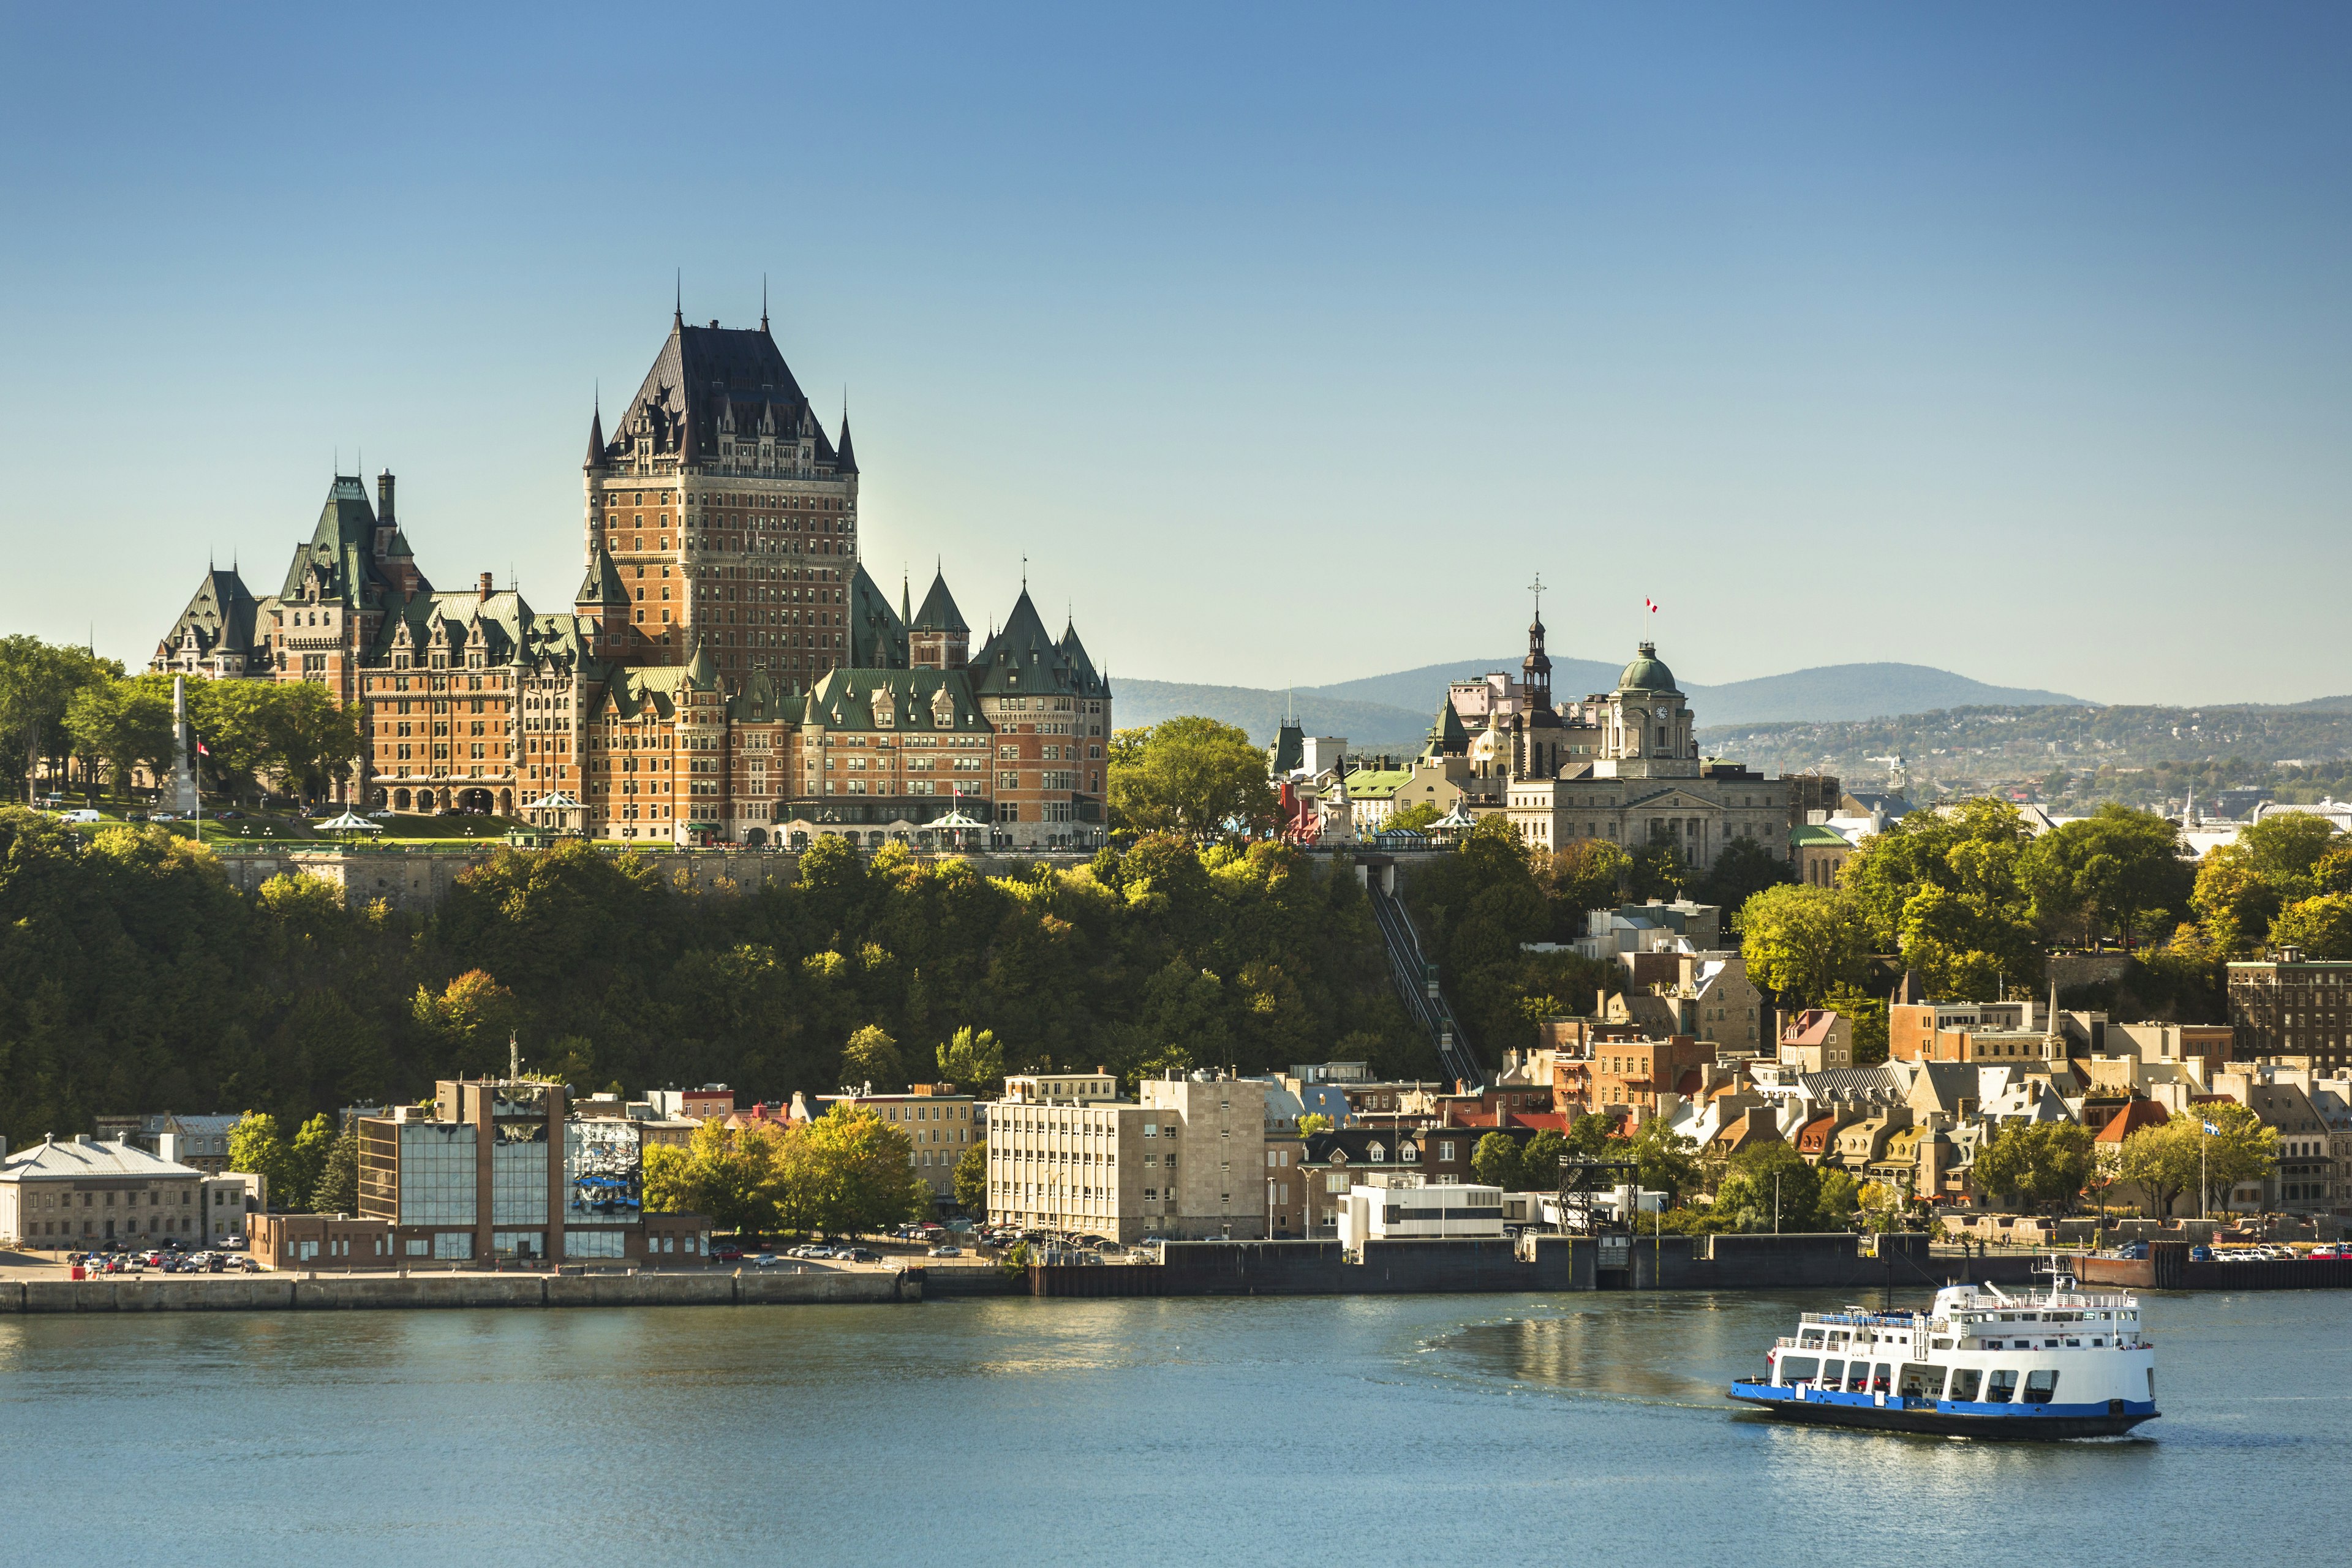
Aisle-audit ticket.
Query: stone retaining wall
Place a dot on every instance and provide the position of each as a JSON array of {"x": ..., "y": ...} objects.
[{"x": 348, "y": 1292}]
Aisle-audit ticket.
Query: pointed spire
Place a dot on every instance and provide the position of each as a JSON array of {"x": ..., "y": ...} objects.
[
  {"x": 845, "y": 460},
  {"x": 906, "y": 600},
  {"x": 596, "y": 433},
  {"x": 677, "y": 304},
  {"x": 763, "y": 302}
]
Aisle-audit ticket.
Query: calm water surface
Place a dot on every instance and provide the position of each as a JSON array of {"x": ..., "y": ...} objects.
[{"x": 1452, "y": 1429}]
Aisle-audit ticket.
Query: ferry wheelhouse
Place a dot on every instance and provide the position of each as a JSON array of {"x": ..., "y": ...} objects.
[{"x": 2066, "y": 1362}]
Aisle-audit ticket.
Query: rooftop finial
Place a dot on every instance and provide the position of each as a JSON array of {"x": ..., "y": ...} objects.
[
  {"x": 1536, "y": 589},
  {"x": 677, "y": 302},
  {"x": 763, "y": 302}
]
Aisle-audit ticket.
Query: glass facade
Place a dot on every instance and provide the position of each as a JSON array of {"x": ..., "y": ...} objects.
[
  {"x": 596, "y": 1244},
  {"x": 519, "y": 1174},
  {"x": 519, "y": 1243},
  {"x": 436, "y": 1174},
  {"x": 603, "y": 1170},
  {"x": 453, "y": 1244}
]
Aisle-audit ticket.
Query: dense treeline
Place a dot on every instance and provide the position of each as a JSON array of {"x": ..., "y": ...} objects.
[
  {"x": 133, "y": 978},
  {"x": 78, "y": 721}
]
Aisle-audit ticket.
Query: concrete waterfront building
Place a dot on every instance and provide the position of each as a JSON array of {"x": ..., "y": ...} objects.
[
  {"x": 1188, "y": 1161},
  {"x": 82, "y": 1193},
  {"x": 1421, "y": 1211},
  {"x": 497, "y": 1171}
]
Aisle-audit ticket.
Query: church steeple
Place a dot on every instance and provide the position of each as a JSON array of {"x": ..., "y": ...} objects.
[{"x": 1535, "y": 670}]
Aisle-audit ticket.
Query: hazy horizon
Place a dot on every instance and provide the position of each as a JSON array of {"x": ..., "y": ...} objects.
[{"x": 1286, "y": 345}]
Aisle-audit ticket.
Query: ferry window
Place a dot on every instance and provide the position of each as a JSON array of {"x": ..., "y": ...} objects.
[
  {"x": 1879, "y": 1381},
  {"x": 1832, "y": 1374},
  {"x": 2151, "y": 1386},
  {"x": 1800, "y": 1368},
  {"x": 1921, "y": 1381},
  {"x": 1858, "y": 1377},
  {"x": 2000, "y": 1388},
  {"x": 2040, "y": 1386},
  {"x": 1965, "y": 1382},
  {"x": 1810, "y": 1339}
]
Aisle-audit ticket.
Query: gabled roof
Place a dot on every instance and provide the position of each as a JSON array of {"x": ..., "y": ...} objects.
[
  {"x": 709, "y": 379},
  {"x": 601, "y": 583},
  {"x": 1083, "y": 678},
  {"x": 859, "y": 699},
  {"x": 500, "y": 625},
  {"x": 939, "y": 613},
  {"x": 221, "y": 613},
  {"x": 2140, "y": 1113},
  {"x": 878, "y": 636},
  {"x": 76, "y": 1160},
  {"x": 1022, "y": 661},
  {"x": 1447, "y": 738},
  {"x": 340, "y": 556}
]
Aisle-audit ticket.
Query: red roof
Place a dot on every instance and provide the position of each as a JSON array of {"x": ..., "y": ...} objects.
[
  {"x": 2140, "y": 1113},
  {"x": 1814, "y": 1136}
]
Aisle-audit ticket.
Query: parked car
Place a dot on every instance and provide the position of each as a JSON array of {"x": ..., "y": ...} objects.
[
  {"x": 947, "y": 1252},
  {"x": 727, "y": 1254},
  {"x": 858, "y": 1254},
  {"x": 766, "y": 1260}
]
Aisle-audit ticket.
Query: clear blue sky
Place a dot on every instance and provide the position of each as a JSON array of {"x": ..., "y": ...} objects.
[{"x": 1289, "y": 343}]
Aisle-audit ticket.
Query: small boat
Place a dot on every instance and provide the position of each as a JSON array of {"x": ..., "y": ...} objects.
[{"x": 2067, "y": 1362}]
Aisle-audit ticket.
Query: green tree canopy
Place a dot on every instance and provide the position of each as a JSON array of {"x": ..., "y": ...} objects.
[
  {"x": 2320, "y": 926},
  {"x": 1495, "y": 1161},
  {"x": 1803, "y": 941},
  {"x": 2117, "y": 870},
  {"x": 2042, "y": 1164},
  {"x": 1193, "y": 777},
  {"x": 973, "y": 1058},
  {"x": 255, "y": 1146},
  {"x": 971, "y": 1181},
  {"x": 1943, "y": 887},
  {"x": 872, "y": 1056}
]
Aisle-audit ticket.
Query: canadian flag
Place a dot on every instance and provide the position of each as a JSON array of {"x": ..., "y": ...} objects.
[
  {"x": 203, "y": 750},
  {"x": 1649, "y": 605}
]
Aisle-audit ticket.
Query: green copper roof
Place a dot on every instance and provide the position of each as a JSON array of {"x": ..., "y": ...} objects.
[{"x": 1648, "y": 673}]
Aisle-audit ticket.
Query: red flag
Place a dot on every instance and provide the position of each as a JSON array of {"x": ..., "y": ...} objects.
[
  {"x": 203, "y": 750},
  {"x": 1651, "y": 604}
]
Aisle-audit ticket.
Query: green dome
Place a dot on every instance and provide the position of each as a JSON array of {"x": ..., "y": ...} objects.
[{"x": 1647, "y": 673}]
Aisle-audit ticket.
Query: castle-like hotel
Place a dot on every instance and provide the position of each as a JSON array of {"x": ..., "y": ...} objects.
[{"x": 727, "y": 670}]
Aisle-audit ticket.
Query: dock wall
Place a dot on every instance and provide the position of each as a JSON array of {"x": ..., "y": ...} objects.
[{"x": 364, "y": 1292}]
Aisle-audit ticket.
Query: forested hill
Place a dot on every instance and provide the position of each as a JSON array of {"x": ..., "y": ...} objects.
[
  {"x": 133, "y": 978},
  {"x": 2070, "y": 754},
  {"x": 1391, "y": 713}
]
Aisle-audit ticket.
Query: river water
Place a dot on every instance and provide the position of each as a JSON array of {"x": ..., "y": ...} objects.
[{"x": 1484, "y": 1429}]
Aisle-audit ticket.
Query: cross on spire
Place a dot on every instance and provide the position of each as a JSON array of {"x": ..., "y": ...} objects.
[{"x": 1536, "y": 589}]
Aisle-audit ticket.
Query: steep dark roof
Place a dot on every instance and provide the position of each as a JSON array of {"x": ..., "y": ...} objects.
[
  {"x": 601, "y": 583},
  {"x": 596, "y": 440},
  {"x": 855, "y": 699},
  {"x": 1021, "y": 661},
  {"x": 1447, "y": 738},
  {"x": 1083, "y": 678},
  {"x": 877, "y": 638},
  {"x": 705, "y": 378},
  {"x": 221, "y": 614},
  {"x": 939, "y": 613},
  {"x": 845, "y": 462},
  {"x": 1289, "y": 747},
  {"x": 340, "y": 556}
]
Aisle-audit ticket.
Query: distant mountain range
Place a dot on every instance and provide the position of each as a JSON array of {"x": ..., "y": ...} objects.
[{"x": 1391, "y": 713}]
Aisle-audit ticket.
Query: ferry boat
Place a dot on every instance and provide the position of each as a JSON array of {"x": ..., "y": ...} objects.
[{"x": 2067, "y": 1362}]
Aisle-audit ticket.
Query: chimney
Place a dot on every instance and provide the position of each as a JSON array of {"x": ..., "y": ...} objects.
[
  {"x": 486, "y": 589},
  {"x": 384, "y": 498}
]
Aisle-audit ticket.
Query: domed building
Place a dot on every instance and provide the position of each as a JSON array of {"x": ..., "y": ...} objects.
[{"x": 1629, "y": 771}]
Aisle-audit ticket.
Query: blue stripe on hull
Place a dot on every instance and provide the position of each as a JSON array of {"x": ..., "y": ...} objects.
[{"x": 1842, "y": 1408}]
